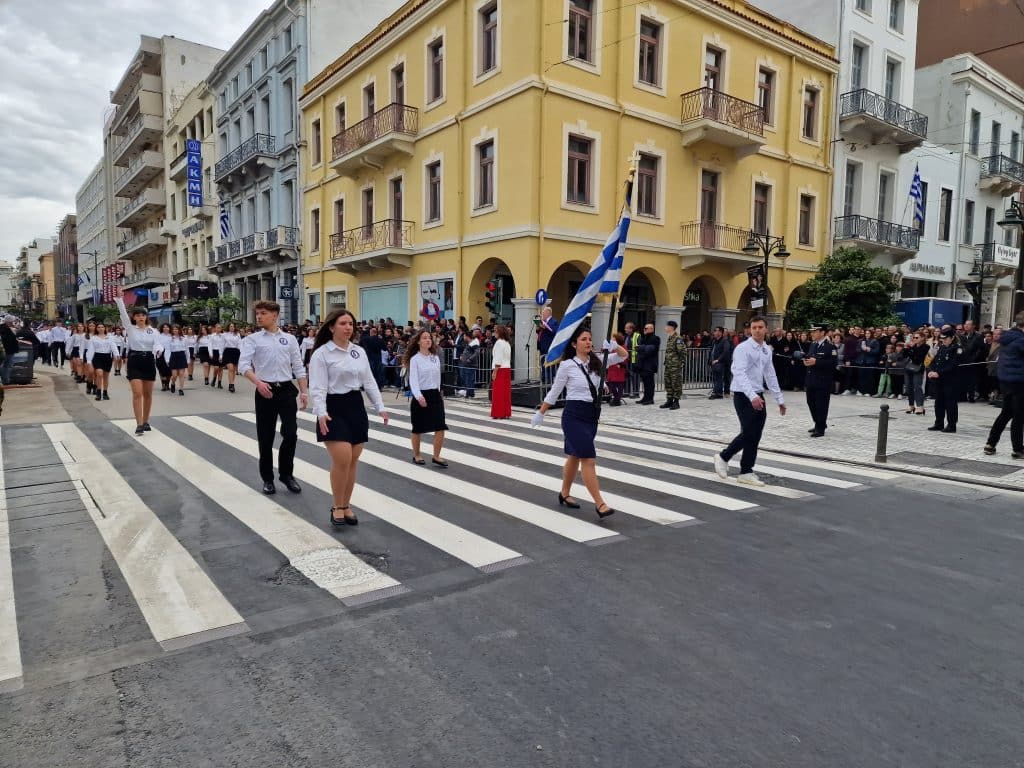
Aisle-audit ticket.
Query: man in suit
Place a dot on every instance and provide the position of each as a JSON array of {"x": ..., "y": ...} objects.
[
  {"x": 545, "y": 335},
  {"x": 647, "y": 362},
  {"x": 821, "y": 361},
  {"x": 721, "y": 352}
]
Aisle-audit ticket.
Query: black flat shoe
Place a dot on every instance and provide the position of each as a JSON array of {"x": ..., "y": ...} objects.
[
  {"x": 565, "y": 501},
  {"x": 335, "y": 521},
  {"x": 439, "y": 462},
  {"x": 608, "y": 511},
  {"x": 145, "y": 426},
  {"x": 291, "y": 485},
  {"x": 231, "y": 387},
  {"x": 268, "y": 488},
  {"x": 421, "y": 462},
  {"x": 139, "y": 430}
]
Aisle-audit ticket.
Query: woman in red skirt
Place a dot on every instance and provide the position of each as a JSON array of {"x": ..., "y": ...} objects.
[{"x": 501, "y": 375}]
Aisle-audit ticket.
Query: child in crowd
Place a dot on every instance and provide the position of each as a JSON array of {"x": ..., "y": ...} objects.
[
  {"x": 885, "y": 380},
  {"x": 617, "y": 375},
  {"x": 898, "y": 364}
]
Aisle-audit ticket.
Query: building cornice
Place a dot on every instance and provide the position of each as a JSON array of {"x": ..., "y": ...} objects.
[{"x": 262, "y": 25}]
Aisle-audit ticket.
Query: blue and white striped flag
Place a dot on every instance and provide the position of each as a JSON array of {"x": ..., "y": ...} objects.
[
  {"x": 225, "y": 221},
  {"x": 604, "y": 277},
  {"x": 917, "y": 193}
]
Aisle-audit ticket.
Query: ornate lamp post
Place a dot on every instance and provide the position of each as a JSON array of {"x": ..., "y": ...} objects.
[
  {"x": 767, "y": 245},
  {"x": 1014, "y": 219}
]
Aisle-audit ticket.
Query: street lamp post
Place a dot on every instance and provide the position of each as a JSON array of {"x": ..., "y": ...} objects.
[
  {"x": 766, "y": 244},
  {"x": 1014, "y": 219}
]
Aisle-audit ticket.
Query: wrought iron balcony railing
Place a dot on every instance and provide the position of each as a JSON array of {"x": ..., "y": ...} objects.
[
  {"x": 1001, "y": 165},
  {"x": 387, "y": 233},
  {"x": 257, "y": 242},
  {"x": 877, "y": 231},
  {"x": 283, "y": 236},
  {"x": 709, "y": 104},
  {"x": 717, "y": 237},
  {"x": 394, "y": 118},
  {"x": 865, "y": 102},
  {"x": 260, "y": 144}
]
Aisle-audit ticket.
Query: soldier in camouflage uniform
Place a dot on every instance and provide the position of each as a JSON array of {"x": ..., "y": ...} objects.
[{"x": 675, "y": 358}]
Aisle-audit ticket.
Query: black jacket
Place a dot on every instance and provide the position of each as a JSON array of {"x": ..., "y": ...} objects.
[
  {"x": 721, "y": 350},
  {"x": 647, "y": 353},
  {"x": 9, "y": 340}
]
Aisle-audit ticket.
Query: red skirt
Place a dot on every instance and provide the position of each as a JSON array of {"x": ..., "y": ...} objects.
[{"x": 501, "y": 395}]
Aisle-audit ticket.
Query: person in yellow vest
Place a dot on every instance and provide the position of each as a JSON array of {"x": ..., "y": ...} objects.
[{"x": 632, "y": 374}]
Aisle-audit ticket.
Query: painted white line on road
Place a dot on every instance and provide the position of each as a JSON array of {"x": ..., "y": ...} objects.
[
  {"x": 10, "y": 648},
  {"x": 178, "y": 600},
  {"x": 458, "y": 542},
  {"x": 314, "y": 553}
]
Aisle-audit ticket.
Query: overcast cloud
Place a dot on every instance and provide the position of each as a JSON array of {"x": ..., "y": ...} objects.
[{"x": 59, "y": 60}]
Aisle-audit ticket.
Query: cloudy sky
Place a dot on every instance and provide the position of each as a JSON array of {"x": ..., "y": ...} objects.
[{"x": 59, "y": 60}]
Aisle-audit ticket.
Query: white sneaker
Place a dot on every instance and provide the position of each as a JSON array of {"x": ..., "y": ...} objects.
[
  {"x": 749, "y": 478},
  {"x": 461, "y": 393},
  {"x": 848, "y": 392},
  {"x": 721, "y": 466}
]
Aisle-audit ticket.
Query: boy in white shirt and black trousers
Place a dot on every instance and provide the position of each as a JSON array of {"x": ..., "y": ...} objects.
[{"x": 270, "y": 359}]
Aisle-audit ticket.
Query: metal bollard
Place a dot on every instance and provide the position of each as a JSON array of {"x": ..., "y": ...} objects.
[{"x": 883, "y": 434}]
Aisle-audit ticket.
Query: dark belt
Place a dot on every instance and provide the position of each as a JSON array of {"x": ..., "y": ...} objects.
[
  {"x": 137, "y": 352},
  {"x": 276, "y": 384}
]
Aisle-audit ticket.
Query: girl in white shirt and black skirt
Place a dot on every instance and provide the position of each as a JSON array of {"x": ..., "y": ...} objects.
[
  {"x": 100, "y": 353},
  {"x": 307, "y": 345},
  {"x": 339, "y": 373},
  {"x": 216, "y": 340},
  {"x": 232, "y": 353},
  {"x": 579, "y": 374},
  {"x": 143, "y": 347},
  {"x": 176, "y": 358},
  {"x": 190, "y": 339},
  {"x": 427, "y": 405}
]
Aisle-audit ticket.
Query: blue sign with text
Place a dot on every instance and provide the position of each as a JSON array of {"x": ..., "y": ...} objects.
[{"x": 194, "y": 170}]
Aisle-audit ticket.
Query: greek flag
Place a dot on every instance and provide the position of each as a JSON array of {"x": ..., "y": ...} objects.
[
  {"x": 225, "y": 221},
  {"x": 604, "y": 277},
  {"x": 917, "y": 194}
]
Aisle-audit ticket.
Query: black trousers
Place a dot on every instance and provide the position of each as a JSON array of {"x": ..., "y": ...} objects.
[
  {"x": 57, "y": 350},
  {"x": 281, "y": 405},
  {"x": 947, "y": 392},
  {"x": 751, "y": 426},
  {"x": 819, "y": 392},
  {"x": 717, "y": 379},
  {"x": 647, "y": 381},
  {"x": 1012, "y": 414}
]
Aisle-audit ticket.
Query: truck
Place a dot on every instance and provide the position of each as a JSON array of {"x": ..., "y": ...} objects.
[{"x": 936, "y": 312}]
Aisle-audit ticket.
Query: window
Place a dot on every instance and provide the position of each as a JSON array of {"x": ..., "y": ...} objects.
[
  {"x": 996, "y": 139},
  {"x": 1014, "y": 145},
  {"x": 709, "y": 198},
  {"x": 850, "y": 190},
  {"x": 650, "y": 37},
  {"x": 339, "y": 215},
  {"x": 265, "y": 114},
  {"x": 967, "y": 237},
  {"x": 857, "y": 58},
  {"x": 924, "y": 205},
  {"x": 234, "y": 87},
  {"x": 397, "y": 201},
  {"x": 581, "y": 30},
  {"x": 289, "y": 105},
  {"x": 806, "y": 223},
  {"x": 864, "y": 6},
  {"x": 264, "y": 59},
  {"x": 434, "y": 191},
  {"x": 435, "y": 61},
  {"x": 578, "y": 177},
  {"x": 886, "y": 182},
  {"x": 485, "y": 174},
  {"x": 368, "y": 212},
  {"x": 339, "y": 118},
  {"x": 288, "y": 39},
  {"x": 398, "y": 84},
  {"x": 975, "y": 134},
  {"x": 766, "y": 94},
  {"x": 369, "y": 100},
  {"x": 762, "y": 201},
  {"x": 314, "y": 229},
  {"x": 892, "y": 79},
  {"x": 945, "y": 213},
  {"x": 713, "y": 59},
  {"x": 647, "y": 186},
  {"x": 896, "y": 15},
  {"x": 488, "y": 20},
  {"x": 316, "y": 140},
  {"x": 248, "y": 74},
  {"x": 809, "y": 124},
  {"x": 990, "y": 225}
]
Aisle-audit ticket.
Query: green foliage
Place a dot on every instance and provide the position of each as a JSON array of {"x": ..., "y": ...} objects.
[
  {"x": 847, "y": 290},
  {"x": 106, "y": 314},
  {"x": 222, "y": 309}
]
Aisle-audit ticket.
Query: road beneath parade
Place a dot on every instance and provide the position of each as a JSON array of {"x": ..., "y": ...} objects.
[{"x": 844, "y": 616}]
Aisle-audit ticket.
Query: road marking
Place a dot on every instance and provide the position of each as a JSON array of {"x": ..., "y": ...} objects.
[
  {"x": 648, "y": 512},
  {"x": 11, "y": 672},
  {"x": 315, "y": 554},
  {"x": 534, "y": 514},
  {"x": 458, "y": 542},
  {"x": 178, "y": 600}
]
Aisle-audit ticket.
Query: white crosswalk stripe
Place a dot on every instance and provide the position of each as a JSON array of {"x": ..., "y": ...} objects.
[
  {"x": 180, "y": 603},
  {"x": 10, "y": 647},
  {"x": 311, "y": 551}
]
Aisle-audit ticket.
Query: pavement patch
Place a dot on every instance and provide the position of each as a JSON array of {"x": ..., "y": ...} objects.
[{"x": 953, "y": 463}]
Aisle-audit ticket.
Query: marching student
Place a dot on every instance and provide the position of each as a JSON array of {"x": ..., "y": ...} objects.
[
  {"x": 161, "y": 364},
  {"x": 58, "y": 337},
  {"x": 338, "y": 370},
  {"x": 216, "y": 341},
  {"x": 100, "y": 352},
  {"x": 190, "y": 339},
  {"x": 143, "y": 346},
  {"x": 501, "y": 375},
  {"x": 307, "y": 345},
  {"x": 43, "y": 334},
  {"x": 203, "y": 352},
  {"x": 231, "y": 354},
  {"x": 87, "y": 372},
  {"x": 751, "y": 369},
  {"x": 426, "y": 404},
  {"x": 579, "y": 374},
  {"x": 176, "y": 359},
  {"x": 74, "y": 345},
  {"x": 270, "y": 359},
  {"x": 118, "y": 337}
]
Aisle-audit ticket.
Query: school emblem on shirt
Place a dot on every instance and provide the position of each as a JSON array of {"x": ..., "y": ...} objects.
[
  {"x": 354, "y": 354},
  {"x": 283, "y": 341},
  {"x": 149, "y": 330}
]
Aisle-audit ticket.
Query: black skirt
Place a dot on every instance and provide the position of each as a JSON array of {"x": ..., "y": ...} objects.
[
  {"x": 141, "y": 366},
  {"x": 579, "y": 428},
  {"x": 103, "y": 361},
  {"x": 179, "y": 361},
  {"x": 204, "y": 355},
  {"x": 430, "y": 418},
  {"x": 231, "y": 356},
  {"x": 349, "y": 422},
  {"x": 215, "y": 358},
  {"x": 74, "y": 353},
  {"x": 163, "y": 367}
]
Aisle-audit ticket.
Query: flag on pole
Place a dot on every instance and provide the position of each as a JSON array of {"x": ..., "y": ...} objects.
[
  {"x": 225, "y": 221},
  {"x": 916, "y": 192},
  {"x": 604, "y": 277}
]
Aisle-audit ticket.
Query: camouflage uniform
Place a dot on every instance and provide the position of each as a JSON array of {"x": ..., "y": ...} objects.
[{"x": 675, "y": 358}]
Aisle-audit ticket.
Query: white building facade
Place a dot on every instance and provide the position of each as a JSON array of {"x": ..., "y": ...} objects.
[
  {"x": 6, "y": 284},
  {"x": 93, "y": 233}
]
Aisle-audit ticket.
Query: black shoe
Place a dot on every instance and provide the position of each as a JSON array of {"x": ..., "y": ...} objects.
[
  {"x": 645, "y": 402},
  {"x": 206, "y": 382},
  {"x": 117, "y": 373},
  {"x": 105, "y": 395},
  {"x": 420, "y": 462},
  {"x": 666, "y": 404},
  {"x": 231, "y": 387},
  {"x": 816, "y": 433},
  {"x": 220, "y": 385},
  {"x": 145, "y": 426},
  {"x": 951, "y": 429},
  {"x": 565, "y": 501},
  {"x": 715, "y": 397},
  {"x": 190, "y": 377},
  {"x": 291, "y": 485},
  {"x": 337, "y": 523},
  {"x": 99, "y": 396},
  {"x": 674, "y": 406},
  {"x": 812, "y": 429},
  {"x": 439, "y": 462},
  {"x": 1017, "y": 455},
  {"x": 181, "y": 393},
  {"x": 268, "y": 488},
  {"x": 172, "y": 389},
  {"x": 140, "y": 430},
  {"x": 608, "y": 511},
  {"x": 989, "y": 450},
  {"x": 935, "y": 428}
]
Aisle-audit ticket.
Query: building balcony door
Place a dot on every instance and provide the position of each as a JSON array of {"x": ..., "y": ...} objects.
[{"x": 708, "y": 209}]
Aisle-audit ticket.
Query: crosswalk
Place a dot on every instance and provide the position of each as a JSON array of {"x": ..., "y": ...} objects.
[{"x": 180, "y": 547}]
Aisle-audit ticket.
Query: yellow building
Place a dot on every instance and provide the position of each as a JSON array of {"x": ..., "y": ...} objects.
[
  {"x": 464, "y": 142},
  {"x": 44, "y": 289}
]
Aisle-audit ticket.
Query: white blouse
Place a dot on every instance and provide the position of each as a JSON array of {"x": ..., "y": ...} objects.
[
  {"x": 175, "y": 344},
  {"x": 190, "y": 341},
  {"x": 119, "y": 340},
  {"x": 203, "y": 342},
  {"x": 216, "y": 342},
  {"x": 501, "y": 357},
  {"x": 232, "y": 340},
  {"x": 571, "y": 378},
  {"x": 424, "y": 373},
  {"x": 334, "y": 370},
  {"x": 306, "y": 344},
  {"x": 96, "y": 345},
  {"x": 139, "y": 339}
]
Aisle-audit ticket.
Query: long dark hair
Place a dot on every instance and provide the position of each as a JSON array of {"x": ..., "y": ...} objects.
[
  {"x": 326, "y": 331},
  {"x": 570, "y": 350},
  {"x": 414, "y": 346}
]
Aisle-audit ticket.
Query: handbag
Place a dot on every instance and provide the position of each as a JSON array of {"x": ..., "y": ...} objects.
[{"x": 913, "y": 367}]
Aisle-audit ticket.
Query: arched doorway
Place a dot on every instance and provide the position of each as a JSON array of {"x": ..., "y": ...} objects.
[
  {"x": 793, "y": 297},
  {"x": 744, "y": 304},
  {"x": 500, "y": 309},
  {"x": 704, "y": 294},
  {"x": 563, "y": 285},
  {"x": 641, "y": 292}
]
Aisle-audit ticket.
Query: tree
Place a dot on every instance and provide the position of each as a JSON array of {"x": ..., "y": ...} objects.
[
  {"x": 847, "y": 290},
  {"x": 106, "y": 314},
  {"x": 221, "y": 309}
]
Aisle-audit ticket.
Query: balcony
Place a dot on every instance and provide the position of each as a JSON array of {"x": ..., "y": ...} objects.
[
  {"x": 877, "y": 237},
  {"x": 144, "y": 131},
  {"x": 275, "y": 243},
  {"x": 140, "y": 208},
  {"x": 145, "y": 278},
  {"x": 145, "y": 97},
  {"x": 146, "y": 61},
  {"x": 247, "y": 158},
  {"x": 375, "y": 246},
  {"x": 388, "y": 131},
  {"x": 141, "y": 244},
  {"x": 1002, "y": 257},
  {"x": 713, "y": 116},
  {"x": 1001, "y": 174},
  {"x": 142, "y": 170},
  {"x": 179, "y": 167},
  {"x": 704, "y": 242},
  {"x": 868, "y": 115}
]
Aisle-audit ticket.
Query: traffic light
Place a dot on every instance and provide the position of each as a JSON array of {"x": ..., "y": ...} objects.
[{"x": 490, "y": 298}]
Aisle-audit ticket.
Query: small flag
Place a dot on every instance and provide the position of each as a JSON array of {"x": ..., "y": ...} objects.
[
  {"x": 225, "y": 221},
  {"x": 916, "y": 192},
  {"x": 604, "y": 277}
]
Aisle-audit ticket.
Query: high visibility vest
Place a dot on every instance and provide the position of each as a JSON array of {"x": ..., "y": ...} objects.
[{"x": 634, "y": 341}]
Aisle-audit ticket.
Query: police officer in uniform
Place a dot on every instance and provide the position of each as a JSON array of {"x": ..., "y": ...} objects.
[
  {"x": 943, "y": 371},
  {"x": 675, "y": 358},
  {"x": 821, "y": 361}
]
